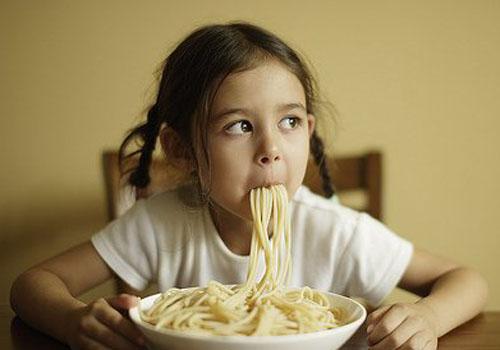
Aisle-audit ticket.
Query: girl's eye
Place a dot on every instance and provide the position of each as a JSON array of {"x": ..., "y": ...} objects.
[
  {"x": 239, "y": 127},
  {"x": 290, "y": 122}
]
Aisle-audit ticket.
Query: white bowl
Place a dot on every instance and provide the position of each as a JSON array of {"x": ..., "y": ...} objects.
[{"x": 165, "y": 339}]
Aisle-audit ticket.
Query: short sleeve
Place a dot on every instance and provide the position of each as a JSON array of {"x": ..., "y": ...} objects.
[
  {"x": 377, "y": 259},
  {"x": 128, "y": 245}
]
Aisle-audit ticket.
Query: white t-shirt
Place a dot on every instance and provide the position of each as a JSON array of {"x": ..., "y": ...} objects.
[{"x": 334, "y": 248}]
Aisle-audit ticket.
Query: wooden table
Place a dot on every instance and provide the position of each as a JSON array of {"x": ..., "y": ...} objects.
[{"x": 483, "y": 332}]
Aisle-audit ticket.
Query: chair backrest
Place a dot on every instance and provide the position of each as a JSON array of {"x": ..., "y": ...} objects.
[
  {"x": 353, "y": 176},
  {"x": 350, "y": 174},
  {"x": 120, "y": 197}
]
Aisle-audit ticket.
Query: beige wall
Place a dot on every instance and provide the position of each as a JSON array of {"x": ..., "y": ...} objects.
[{"x": 417, "y": 79}]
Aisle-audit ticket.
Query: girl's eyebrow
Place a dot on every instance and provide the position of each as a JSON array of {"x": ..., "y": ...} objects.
[{"x": 246, "y": 111}]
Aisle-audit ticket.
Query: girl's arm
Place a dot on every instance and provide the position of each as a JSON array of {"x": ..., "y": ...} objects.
[
  {"x": 451, "y": 295},
  {"x": 45, "y": 297}
]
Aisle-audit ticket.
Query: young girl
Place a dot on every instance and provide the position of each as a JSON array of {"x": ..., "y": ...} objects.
[{"x": 236, "y": 109}]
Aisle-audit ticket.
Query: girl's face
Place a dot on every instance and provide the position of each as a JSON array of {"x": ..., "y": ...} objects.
[{"x": 258, "y": 135}]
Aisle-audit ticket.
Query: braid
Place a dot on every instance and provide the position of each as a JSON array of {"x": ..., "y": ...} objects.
[
  {"x": 148, "y": 132},
  {"x": 318, "y": 153}
]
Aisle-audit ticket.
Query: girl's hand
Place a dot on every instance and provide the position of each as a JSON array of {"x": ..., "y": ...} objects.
[
  {"x": 402, "y": 326},
  {"x": 101, "y": 325}
]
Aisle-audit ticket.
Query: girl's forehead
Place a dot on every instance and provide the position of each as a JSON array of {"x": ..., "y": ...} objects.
[{"x": 269, "y": 81}]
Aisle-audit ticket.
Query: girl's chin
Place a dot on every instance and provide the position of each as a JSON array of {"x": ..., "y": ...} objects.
[
  {"x": 244, "y": 213},
  {"x": 240, "y": 210}
]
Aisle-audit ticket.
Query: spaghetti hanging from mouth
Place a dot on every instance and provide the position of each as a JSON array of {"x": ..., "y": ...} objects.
[{"x": 258, "y": 307}]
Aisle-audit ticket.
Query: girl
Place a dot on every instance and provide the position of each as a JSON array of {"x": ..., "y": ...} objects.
[{"x": 236, "y": 109}]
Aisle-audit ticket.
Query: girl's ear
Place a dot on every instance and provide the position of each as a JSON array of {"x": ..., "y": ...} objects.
[
  {"x": 174, "y": 149},
  {"x": 311, "y": 123}
]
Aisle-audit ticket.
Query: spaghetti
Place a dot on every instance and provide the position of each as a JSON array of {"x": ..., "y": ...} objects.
[{"x": 257, "y": 307}]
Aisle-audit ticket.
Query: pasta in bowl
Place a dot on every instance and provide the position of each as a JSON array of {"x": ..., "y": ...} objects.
[
  {"x": 353, "y": 316},
  {"x": 263, "y": 311}
]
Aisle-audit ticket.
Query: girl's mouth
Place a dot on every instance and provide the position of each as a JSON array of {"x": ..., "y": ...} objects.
[{"x": 267, "y": 184}]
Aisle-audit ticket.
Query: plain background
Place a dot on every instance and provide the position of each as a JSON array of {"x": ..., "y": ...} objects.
[{"x": 419, "y": 80}]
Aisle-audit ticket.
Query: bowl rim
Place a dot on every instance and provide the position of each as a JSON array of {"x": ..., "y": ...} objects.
[{"x": 135, "y": 317}]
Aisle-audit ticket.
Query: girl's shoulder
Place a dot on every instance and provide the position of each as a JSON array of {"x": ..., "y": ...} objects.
[
  {"x": 182, "y": 197},
  {"x": 323, "y": 218},
  {"x": 171, "y": 207},
  {"x": 306, "y": 202}
]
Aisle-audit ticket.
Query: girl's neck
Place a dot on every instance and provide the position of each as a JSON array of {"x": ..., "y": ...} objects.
[{"x": 235, "y": 232}]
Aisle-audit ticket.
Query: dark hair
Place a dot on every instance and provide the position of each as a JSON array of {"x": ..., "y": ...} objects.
[{"x": 191, "y": 75}]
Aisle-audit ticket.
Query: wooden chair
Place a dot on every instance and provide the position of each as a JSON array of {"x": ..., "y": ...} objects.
[
  {"x": 356, "y": 174},
  {"x": 353, "y": 174},
  {"x": 119, "y": 198}
]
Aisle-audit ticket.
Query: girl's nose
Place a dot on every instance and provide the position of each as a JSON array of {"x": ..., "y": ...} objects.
[
  {"x": 269, "y": 152},
  {"x": 269, "y": 159}
]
